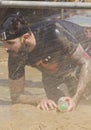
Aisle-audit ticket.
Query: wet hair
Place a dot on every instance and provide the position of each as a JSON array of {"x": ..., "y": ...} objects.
[{"x": 13, "y": 27}]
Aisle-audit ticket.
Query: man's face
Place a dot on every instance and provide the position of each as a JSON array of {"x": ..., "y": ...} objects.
[{"x": 13, "y": 45}]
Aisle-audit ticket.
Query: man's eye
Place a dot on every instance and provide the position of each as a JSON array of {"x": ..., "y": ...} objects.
[{"x": 10, "y": 43}]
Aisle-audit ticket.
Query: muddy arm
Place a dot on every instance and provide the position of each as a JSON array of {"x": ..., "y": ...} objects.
[
  {"x": 16, "y": 69},
  {"x": 85, "y": 73},
  {"x": 18, "y": 96},
  {"x": 17, "y": 93}
]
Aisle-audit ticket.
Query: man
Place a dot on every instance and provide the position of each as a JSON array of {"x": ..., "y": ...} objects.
[{"x": 56, "y": 48}]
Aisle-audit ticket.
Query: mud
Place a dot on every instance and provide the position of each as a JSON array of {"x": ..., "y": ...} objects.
[{"x": 27, "y": 117}]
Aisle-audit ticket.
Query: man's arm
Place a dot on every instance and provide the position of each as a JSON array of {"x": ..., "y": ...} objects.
[
  {"x": 84, "y": 60},
  {"x": 18, "y": 95},
  {"x": 70, "y": 47},
  {"x": 17, "y": 81},
  {"x": 85, "y": 73},
  {"x": 16, "y": 69}
]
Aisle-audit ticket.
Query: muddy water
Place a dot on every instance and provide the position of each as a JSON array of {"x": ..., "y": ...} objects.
[{"x": 27, "y": 117}]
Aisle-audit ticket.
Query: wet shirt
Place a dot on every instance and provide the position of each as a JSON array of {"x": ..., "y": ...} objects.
[{"x": 55, "y": 43}]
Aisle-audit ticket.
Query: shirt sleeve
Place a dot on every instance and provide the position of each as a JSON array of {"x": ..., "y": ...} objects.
[{"x": 15, "y": 67}]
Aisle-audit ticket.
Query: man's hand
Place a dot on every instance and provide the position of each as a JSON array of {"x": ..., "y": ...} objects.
[
  {"x": 47, "y": 104},
  {"x": 71, "y": 103}
]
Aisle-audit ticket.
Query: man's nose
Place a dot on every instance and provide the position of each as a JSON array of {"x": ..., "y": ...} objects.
[{"x": 6, "y": 47}]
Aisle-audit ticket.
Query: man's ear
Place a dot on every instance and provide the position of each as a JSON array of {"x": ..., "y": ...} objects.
[
  {"x": 26, "y": 36},
  {"x": 87, "y": 33}
]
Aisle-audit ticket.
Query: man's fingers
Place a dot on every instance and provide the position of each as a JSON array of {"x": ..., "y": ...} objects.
[
  {"x": 47, "y": 105},
  {"x": 42, "y": 107},
  {"x": 52, "y": 105},
  {"x": 70, "y": 108}
]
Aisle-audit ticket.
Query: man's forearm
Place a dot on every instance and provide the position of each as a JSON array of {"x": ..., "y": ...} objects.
[
  {"x": 79, "y": 94},
  {"x": 84, "y": 60},
  {"x": 27, "y": 99},
  {"x": 85, "y": 77},
  {"x": 17, "y": 93}
]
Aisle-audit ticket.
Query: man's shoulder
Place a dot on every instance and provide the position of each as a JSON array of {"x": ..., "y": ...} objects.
[
  {"x": 46, "y": 29},
  {"x": 53, "y": 24},
  {"x": 43, "y": 24}
]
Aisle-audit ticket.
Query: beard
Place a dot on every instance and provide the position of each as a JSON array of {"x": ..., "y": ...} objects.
[
  {"x": 9, "y": 51},
  {"x": 22, "y": 52}
]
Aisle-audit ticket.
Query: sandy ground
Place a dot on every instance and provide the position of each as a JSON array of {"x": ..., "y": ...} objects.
[{"x": 27, "y": 117}]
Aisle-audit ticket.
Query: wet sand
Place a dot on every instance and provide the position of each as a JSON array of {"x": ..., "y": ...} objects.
[{"x": 27, "y": 117}]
